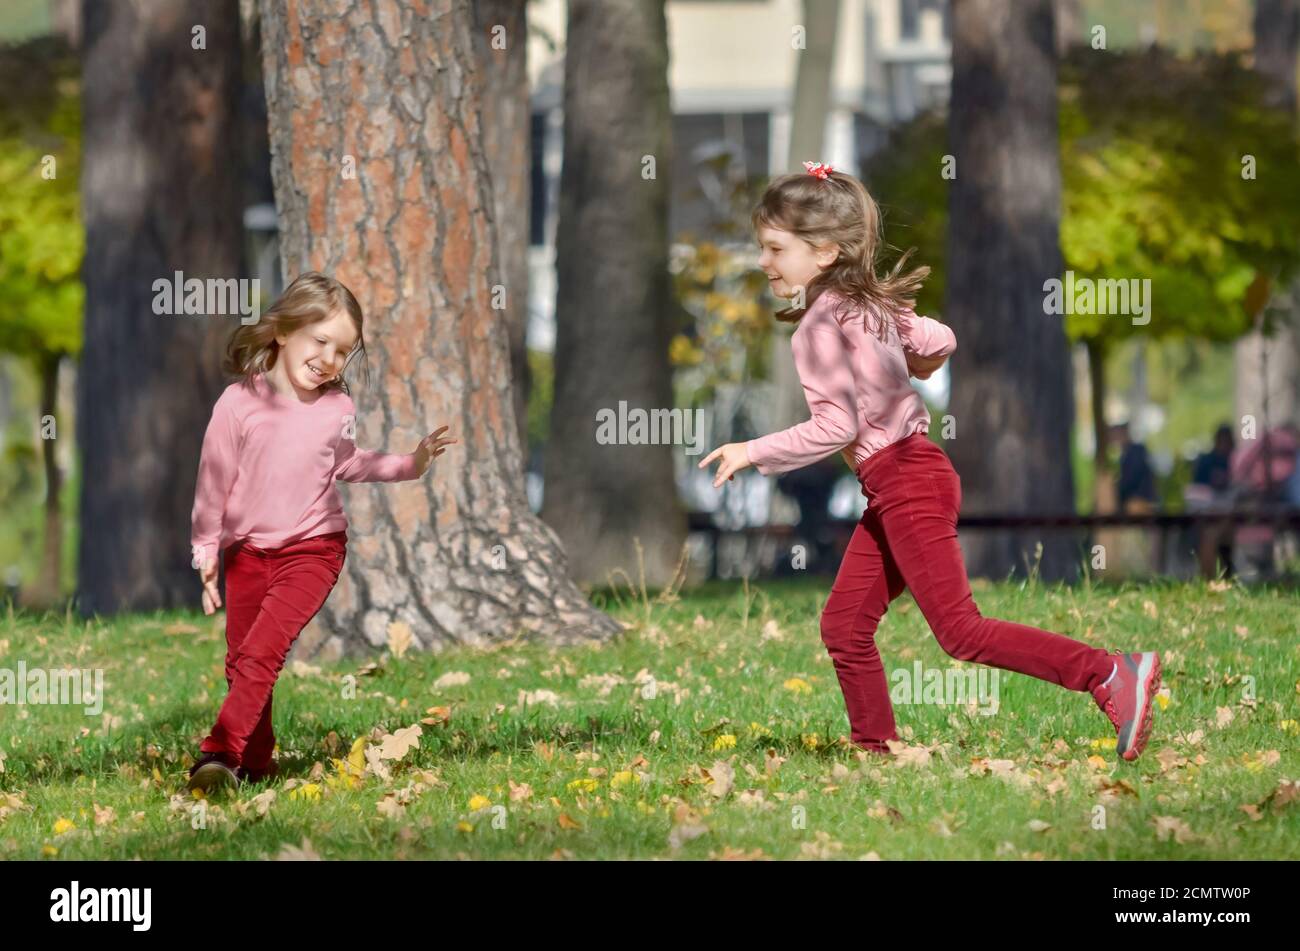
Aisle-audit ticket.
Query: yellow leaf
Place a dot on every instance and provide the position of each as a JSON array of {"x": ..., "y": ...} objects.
[
  {"x": 305, "y": 791},
  {"x": 477, "y": 802},
  {"x": 798, "y": 685},
  {"x": 725, "y": 741},
  {"x": 63, "y": 825}
]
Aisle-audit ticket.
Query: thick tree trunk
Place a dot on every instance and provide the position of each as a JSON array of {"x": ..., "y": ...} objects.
[
  {"x": 381, "y": 180},
  {"x": 501, "y": 35},
  {"x": 614, "y": 300},
  {"x": 159, "y": 191},
  {"x": 1268, "y": 367},
  {"x": 1012, "y": 393}
]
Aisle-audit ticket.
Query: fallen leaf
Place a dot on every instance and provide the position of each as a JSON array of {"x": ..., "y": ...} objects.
[{"x": 400, "y": 638}]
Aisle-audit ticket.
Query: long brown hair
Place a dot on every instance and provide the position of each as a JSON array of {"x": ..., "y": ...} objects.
[
  {"x": 839, "y": 210},
  {"x": 311, "y": 298}
]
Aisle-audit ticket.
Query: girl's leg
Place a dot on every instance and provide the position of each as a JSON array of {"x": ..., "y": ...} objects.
[
  {"x": 919, "y": 496},
  {"x": 301, "y": 577},
  {"x": 247, "y": 575},
  {"x": 866, "y": 582}
]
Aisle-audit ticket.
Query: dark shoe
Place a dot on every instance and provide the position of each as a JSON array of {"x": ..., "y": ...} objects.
[
  {"x": 212, "y": 772},
  {"x": 270, "y": 771}
]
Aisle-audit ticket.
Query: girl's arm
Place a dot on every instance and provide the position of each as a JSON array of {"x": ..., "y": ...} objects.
[
  {"x": 925, "y": 338},
  {"x": 827, "y": 379},
  {"x": 218, "y": 463},
  {"x": 365, "y": 465}
]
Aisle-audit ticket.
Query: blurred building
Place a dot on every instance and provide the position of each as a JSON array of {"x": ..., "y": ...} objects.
[{"x": 731, "y": 79}]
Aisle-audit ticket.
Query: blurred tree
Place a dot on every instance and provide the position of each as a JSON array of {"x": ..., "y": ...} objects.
[
  {"x": 1012, "y": 397},
  {"x": 614, "y": 301},
  {"x": 159, "y": 195},
  {"x": 1152, "y": 151},
  {"x": 41, "y": 244},
  {"x": 388, "y": 188}
]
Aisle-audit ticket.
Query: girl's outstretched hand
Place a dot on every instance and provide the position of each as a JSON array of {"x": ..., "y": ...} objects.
[
  {"x": 922, "y": 367},
  {"x": 734, "y": 458},
  {"x": 211, "y": 596},
  {"x": 431, "y": 447}
]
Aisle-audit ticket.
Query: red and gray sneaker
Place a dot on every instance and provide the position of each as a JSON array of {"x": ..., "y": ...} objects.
[{"x": 1127, "y": 700}]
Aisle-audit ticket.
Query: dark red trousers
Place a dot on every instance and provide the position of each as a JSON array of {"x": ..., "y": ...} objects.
[
  {"x": 271, "y": 594},
  {"x": 908, "y": 538}
]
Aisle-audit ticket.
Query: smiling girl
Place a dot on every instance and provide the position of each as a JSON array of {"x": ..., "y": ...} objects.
[
  {"x": 265, "y": 501},
  {"x": 857, "y": 343}
]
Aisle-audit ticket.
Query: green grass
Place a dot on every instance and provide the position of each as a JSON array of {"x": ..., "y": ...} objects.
[{"x": 717, "y": 676}]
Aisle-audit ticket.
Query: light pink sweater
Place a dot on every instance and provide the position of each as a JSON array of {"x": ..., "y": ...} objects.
[
  {"x": 268, "y": 466},
  {"x": 858, "y": 389}
]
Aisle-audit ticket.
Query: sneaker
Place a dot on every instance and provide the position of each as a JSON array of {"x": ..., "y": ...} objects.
[
  {"x": 1127, "y": 700},
  {"x": 212, "y": 772},
  {"x": 247, "y": 775}
]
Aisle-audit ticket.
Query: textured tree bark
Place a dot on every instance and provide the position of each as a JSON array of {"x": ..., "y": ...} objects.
[
  {"x": 614, "y": 297},
  {"x": 381, "y": 179},
  {"x": 159, "y": 193},
  {"x": 501, "y": 35},
  {"x": 1012, "y": 378}
]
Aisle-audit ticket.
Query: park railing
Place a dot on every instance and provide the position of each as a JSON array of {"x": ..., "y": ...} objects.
[{"x": 1280, "y": 518}]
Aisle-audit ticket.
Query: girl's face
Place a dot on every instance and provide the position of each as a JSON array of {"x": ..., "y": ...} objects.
[
  {"x": 789, "y": 261},
  {"x": 316, "y": 353}
]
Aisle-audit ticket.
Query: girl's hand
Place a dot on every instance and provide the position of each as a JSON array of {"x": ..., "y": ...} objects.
[
  {"x": 211, "y": 596},
  {"x": 734, "y": 458},
  {"x": 431, "y": 447},
  {"x": 922, "y": 367}
]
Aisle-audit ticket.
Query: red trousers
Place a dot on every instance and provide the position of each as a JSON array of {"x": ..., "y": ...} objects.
[
  {"x": 271, "y": 594},
  {"x": 908, "y": 538}
]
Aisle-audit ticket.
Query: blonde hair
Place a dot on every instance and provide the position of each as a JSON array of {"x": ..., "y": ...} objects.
[
  {"x": 311, "y": 298},
  {"x": 839, "y": 210}
]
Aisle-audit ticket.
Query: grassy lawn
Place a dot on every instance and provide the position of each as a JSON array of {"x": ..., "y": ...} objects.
[{"x": 713, "y": 728}]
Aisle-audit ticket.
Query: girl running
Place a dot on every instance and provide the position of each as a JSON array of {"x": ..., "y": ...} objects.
[
  {"x": 857, "y": 343},
  {"x": 265, "y": 500}
]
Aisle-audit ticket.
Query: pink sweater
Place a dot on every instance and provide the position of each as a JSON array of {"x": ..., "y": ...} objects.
[
  {"x": 268, "y": 466},
  {"x": 858, "y": 389}
]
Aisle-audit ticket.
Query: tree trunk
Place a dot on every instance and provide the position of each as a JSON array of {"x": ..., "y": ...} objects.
[
  {"x": 811, "y": 107},
  {"x": 382, "y": 180},
  {"x": 1097, "y": 381},
  {"x": 48, "y": 588},
  {"x": 501, "y": 34},
  {"x": 614, "y": 299},
  {"x": 159, "y": 191},
  {"x": 1277, "y": 388},
  {"x": 1012, "y": 391}
]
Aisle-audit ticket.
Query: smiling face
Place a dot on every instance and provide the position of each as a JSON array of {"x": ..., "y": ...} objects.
[
  {"x": 316, "y": 353},
  {"x": 789, "y": 261}
]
